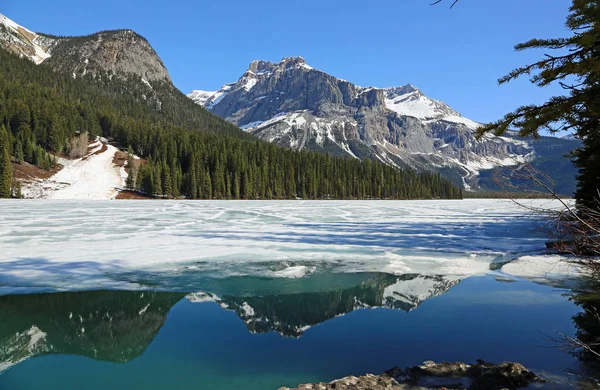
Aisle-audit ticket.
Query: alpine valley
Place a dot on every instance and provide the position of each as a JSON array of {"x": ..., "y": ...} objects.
[
  {"x": 83, "y": 105},
  {"x": 290, "y": 228},
  {"x": 295, "y": 105}
]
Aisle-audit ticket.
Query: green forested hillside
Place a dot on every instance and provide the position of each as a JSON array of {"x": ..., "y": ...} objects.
[{"x": 190, "y": 151}]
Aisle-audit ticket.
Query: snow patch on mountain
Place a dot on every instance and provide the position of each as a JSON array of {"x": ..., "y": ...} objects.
[
  {"x": 410, "y": 101},
  {"x": 249, "y": 83},
  {"x": 92, "y": 177},
  {"x": 209, "y": 99},
  {"x": 22, "y": 40}
]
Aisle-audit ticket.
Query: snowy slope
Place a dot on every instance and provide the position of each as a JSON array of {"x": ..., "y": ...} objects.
[
  {"x": 21, "y": 40},
  {"x": 410, "y": 101},
  {"x": 209, "y": 99},
  {"x": 93, "y": 177}
]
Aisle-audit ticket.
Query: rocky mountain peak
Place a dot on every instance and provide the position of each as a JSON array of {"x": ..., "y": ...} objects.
[
  {"x": 296, "y": 106},
  {"x": 262, "y": 68},
  {"x": 293, "y": 61},
  {"x": 123, "y": 53},
  {"x": 117, "y": 52},
  {"x": 399, "y": 91}
]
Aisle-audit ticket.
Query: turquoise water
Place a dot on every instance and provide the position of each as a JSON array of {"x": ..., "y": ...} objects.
[{"x": 260, "y": 333}]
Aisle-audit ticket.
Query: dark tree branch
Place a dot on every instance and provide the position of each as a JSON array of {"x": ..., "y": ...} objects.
[{"x": 439, "y": 1}]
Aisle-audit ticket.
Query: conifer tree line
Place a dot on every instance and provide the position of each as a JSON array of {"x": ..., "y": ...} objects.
[
  {"x": 189, "y": 151},
  {"x": 5, "y": 164}
]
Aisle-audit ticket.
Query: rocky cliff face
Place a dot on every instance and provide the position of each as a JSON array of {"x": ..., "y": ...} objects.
[
  {"x": 294, "y": 105},
  {"x": 121, "y": 52},
  {"x": 108, "y": 53}
]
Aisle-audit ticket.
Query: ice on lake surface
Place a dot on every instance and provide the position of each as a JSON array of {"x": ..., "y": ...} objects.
[
  {"x": 257, "y": 295},
  {"x": 176, "y": 245}
]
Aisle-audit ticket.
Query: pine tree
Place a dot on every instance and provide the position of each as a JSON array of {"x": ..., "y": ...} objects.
[
  {"x": 5, "y": 164},
  {"x": 17, "y": 189},
  {"x": 146, "y": 179},
  {"x": 130, "y": 181},
  {"x": 18, "y": 151},
  {"x": 577, "y": 69},
  {"x": 131, "y": 174},
  {"x": 167, "y": 181},
  {"x": 157, "y": 187}
]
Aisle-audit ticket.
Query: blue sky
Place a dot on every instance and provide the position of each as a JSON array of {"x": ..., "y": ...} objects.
[{"x": 453, "y": 55}]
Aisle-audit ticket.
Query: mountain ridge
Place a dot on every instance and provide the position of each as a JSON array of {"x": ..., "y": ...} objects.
[
  {"x": 21, "y": 40},
  {"x": 288, "y": 103},
  {"x": 104, "y": 53},
  {"x": 295, "y": 105},
  {"x": 292, "y": 104}
]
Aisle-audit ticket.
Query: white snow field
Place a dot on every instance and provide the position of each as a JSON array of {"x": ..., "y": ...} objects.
[
  {"x": 74, "y": 245},
  {"x": 93, "y": 177}
]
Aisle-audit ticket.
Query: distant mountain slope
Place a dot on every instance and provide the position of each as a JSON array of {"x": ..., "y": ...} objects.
[
  {"x": 294, "y": 105},
  {"x": 119, "y": 52},
  {"x": 550, "y": 158},
  {"x": 21, "y": 41},
  {"x": 45, "y": 110},
  {"x": 103, "y": 54},
  {"x": 120, "y": 61}
]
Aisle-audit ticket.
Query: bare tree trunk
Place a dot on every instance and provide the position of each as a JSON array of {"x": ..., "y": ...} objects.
[{"x": 78, "y": 145}]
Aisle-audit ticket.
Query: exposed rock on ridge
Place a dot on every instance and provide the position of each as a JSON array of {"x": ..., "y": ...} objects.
[{"x": 118, "y": 52}]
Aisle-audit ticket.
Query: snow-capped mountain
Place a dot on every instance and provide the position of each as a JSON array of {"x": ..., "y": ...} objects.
[
  {"x": 294, "y": 105},
  {"x": 410, "y": 101},
  {"x": 21, "y": 41}
]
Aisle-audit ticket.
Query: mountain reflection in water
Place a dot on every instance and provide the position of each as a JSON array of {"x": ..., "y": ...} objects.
[
  {"x": 117, "y": 326},
  {"x": 237, "y": 329}
]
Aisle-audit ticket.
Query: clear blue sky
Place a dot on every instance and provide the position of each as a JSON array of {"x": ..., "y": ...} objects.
[{"x": 453, "y": 55}]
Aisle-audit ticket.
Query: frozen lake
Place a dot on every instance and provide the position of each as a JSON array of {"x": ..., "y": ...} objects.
[
  {"x": 257, "y": 295},
  {"x": 174, "y": 245}
]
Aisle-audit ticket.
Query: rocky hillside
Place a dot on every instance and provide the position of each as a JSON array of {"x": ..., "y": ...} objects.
[
  {"x": 120, "y": 52},
  {"x": 294, "y": 105},
  {"x": 122, "y": 64},
  {"x": 103, "y": 54}
]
